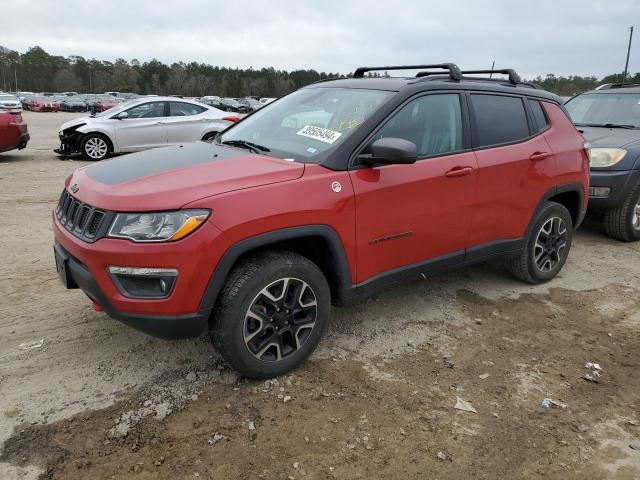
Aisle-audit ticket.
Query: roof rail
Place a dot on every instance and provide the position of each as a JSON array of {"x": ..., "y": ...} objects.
[
  {"x": 513, "y": 76},
  {"x": 454, "y": 70},
  {"x": 609, "y": 86}
]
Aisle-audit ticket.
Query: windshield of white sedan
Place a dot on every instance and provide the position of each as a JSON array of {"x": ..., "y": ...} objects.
[
  {"x": 614, "y": 110},
  {"x": 307, "y": 124}
]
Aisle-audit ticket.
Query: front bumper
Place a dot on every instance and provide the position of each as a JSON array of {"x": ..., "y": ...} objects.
[
  {"x": 69, "y": 143},
  {"x": 182, "y": 314},
  {"x": 162, "y": 326},
  {"x": 619, "y": 184}
]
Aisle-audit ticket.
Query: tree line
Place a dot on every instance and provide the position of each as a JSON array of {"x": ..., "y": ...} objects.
[{"x": 37, "y": 71}]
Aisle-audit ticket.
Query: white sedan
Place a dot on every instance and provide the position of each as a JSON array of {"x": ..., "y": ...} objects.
[
  {"x": 9, "y": 102},
  {"x": 140, "y": 124}
]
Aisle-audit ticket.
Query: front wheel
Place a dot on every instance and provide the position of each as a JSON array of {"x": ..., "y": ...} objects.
[
  {"x": 546, "y": 247},
  {"x": 95, "y": 146},
  {"x": 271, "y": 314},
  {"x": 623, "y": 222}
]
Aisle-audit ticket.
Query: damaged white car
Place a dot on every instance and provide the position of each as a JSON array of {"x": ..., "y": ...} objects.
[{"x": 141, "y": 124}]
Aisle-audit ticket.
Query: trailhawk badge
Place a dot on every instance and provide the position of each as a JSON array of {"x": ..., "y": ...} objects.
[{"x": 336, "y": 187}]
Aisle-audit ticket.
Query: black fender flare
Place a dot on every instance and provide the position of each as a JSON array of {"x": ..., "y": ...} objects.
[
  {"x": 569, "y": 187},
  {"x": 227, "y": 261}
]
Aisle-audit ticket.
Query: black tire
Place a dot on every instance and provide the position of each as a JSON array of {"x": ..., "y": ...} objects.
[
  {"x": 233, "y": 322},
  {"x": 209, "y": 136},
  {"x": 95, "y": 147},
  {"x": 622, "y": 222},
  {"x": 543, "y": 255}
]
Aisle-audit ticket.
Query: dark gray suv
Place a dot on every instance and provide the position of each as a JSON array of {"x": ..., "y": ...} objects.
[{"x": 609, "y": 118}]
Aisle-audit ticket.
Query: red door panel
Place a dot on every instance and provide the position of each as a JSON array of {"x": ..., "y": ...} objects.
[
  {"x": 409, "y": 213},
  {"x": 511, "y": 180}
]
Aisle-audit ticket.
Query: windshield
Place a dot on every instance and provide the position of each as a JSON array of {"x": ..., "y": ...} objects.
[
  {"x": 8, "y": 97},
  {"x": 605, "y": 108},
  {"x": 309, "y": 123}
]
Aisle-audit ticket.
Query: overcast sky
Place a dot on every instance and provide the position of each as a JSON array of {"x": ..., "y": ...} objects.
[{"x": 534, "y": 37}]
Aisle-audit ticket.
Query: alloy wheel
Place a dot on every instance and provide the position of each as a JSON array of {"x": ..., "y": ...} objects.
[
  {"x": 96, "y": 147},
  {"x": 280, "y": 319},
  {"x": 635, "y": 216},
  {"x": 550, "y": 244}
]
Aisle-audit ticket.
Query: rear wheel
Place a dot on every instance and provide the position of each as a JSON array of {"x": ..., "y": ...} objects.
[
  {"x": 546, "y": 247},
  {"x": 95, "y": 146},
  {"x": 271, "y": 314},
  {"x": 623, "y": 222}
]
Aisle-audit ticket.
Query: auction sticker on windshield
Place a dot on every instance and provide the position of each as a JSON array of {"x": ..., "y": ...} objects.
[{"x": 318, "y": 133}]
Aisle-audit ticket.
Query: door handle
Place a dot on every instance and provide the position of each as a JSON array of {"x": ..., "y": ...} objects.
[
  {"x": 159, "y": 123},
  {"x": 458, "y": 172},
  {"x": 537, "y": 156}
]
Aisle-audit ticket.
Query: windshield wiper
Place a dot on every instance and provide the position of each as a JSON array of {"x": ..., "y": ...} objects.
[
  {"x": 254, "y": 147},
  {"x": 606, "y": 125}
]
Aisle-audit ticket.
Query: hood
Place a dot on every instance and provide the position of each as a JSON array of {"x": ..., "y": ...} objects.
[
  {"x": 76, "y": 122},
  {"x": 170, "y": 177},
  {"x": 603, "y": 137}
]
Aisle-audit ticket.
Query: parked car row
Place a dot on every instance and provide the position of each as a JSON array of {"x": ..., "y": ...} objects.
[
  {"x": 237, "y": 105},
  {"x": 96, "y": 103}
]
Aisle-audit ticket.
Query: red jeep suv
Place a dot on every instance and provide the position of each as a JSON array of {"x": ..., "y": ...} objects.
[{"x": 336, "y": 190}]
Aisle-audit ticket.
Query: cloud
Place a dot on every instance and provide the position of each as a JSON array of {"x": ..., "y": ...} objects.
[{"x": 547, "y": 36}]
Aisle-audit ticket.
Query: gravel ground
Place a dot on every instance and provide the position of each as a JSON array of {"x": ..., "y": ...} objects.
[{"x": 100, "y": 400}]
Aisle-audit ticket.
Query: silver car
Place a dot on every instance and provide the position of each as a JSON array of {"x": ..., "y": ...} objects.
[
  {"x": 140, "y": 124},
  {"x": 9, "y": 102}
]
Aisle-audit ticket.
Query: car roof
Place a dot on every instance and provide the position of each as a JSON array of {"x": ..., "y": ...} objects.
[{"x": 437, "y": 82}]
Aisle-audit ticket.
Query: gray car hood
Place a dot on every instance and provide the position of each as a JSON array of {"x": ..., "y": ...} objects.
[{"x": 603, "y": 137}]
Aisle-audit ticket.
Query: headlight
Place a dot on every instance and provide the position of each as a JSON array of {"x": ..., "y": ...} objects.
[
  {"x": 605, "y": 157},
  {"x": 157, "y": 226}
]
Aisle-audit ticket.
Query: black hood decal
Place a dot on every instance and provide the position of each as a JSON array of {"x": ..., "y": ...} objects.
[{"x": 159, "y": 160}]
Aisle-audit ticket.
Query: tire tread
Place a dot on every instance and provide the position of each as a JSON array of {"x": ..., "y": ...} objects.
[
  {"x": 616, "y": 220},
  {"x": 221, "y": 324}
]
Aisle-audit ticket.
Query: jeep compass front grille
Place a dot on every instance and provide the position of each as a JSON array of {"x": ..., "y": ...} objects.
[{"x": 81, "y": 219}]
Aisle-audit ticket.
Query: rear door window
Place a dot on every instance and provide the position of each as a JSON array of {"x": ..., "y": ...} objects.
[
  {"x": 182, "y": 109},
  {"x": 499, "y": 119}
]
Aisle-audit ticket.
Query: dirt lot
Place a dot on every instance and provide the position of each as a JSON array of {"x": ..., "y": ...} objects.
[{"x": 100, "y": 400}]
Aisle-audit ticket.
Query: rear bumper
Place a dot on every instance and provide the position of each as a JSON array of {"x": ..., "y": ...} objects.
[
  {"x": 619, "y": 184},
  {"x": 162, "y": 326},
  {"x": 23, "y": 139}
]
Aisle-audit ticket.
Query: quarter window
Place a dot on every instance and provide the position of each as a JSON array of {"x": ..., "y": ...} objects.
[
  {"x": 499, "y": 119},
  {"x": 542, "y": 122},
  {"x": 147, "y": 110},
  {"x": 432, "y": 122},
  {"x": 181, "y": 109}
]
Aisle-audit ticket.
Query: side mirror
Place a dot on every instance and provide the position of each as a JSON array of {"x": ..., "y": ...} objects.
[
  {"x": 388, "y": 151},
  {"x": 122, "y": 116}
]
